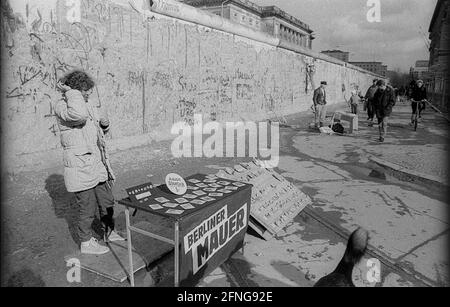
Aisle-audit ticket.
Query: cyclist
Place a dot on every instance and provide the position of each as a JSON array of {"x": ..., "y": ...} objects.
[{"x": 418, "y": 99}]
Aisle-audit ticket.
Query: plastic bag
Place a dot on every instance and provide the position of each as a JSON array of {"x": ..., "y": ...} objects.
[{"x": 338, "y": 128}]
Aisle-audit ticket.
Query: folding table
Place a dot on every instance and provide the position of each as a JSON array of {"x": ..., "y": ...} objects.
[{"x": 217, "y": 226}]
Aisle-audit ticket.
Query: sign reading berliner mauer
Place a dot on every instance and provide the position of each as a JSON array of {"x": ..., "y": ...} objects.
[
  {"x": 212, "y": 236},
  {"x": 204, "y": 241}
]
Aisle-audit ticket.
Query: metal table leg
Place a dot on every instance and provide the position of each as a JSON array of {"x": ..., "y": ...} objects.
[
  {"x": 130, "y": 247},
  {"x": 177, "y": 255}
]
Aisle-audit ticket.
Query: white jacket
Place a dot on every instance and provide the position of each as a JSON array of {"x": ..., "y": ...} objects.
[{"x": 79, "y": 127}]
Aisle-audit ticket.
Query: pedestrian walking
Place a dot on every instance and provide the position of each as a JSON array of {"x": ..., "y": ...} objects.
[
  {"x": 320, "y": 104},
  {"x": 354, "y": 101},
  {"x": 369, "y": 101},
  {"x": 87, "y": 171},
  {"x": 384, "y": 101}
]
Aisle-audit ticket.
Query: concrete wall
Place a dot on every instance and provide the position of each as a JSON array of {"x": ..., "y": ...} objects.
[{"x": 150, "y": 71}]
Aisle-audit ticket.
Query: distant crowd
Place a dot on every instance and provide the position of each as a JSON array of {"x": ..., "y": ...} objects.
[{"x": 378, "y": 101}]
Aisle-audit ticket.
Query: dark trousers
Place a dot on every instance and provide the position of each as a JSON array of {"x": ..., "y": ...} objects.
[
  {"x": 370, "y": 110},
  {"x": 354, "y": 108},
  {"x": 98, "y": 201},
  {"x": 383, "y": 126},
  {"x": 414, "y": 107}
]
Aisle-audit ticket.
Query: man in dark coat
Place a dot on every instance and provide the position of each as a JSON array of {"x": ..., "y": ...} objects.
[
  {"x": 384, "y": 101},
  {"x": 369, "y": 100}
]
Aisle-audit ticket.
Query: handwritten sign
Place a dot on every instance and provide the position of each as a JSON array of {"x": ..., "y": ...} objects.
[
  {"x": 275, "y": 201},
  {"x": 176, "y": 184}
]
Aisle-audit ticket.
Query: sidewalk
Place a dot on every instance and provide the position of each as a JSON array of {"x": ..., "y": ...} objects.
[
  {"x": 407, "y": 223},
  {"x": 424, "y": 151}
]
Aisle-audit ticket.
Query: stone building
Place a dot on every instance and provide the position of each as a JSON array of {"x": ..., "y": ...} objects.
[
  {"x": 337, "y": 54},
  {"x": 286, "y": 27},
  {"x": 375, "y": 67},
  {"x": 420, "y": 70},
  {"x": 242, "y": 12},
  {"x": 439, "y": 54},
  {"x": 269, "y": 19}
]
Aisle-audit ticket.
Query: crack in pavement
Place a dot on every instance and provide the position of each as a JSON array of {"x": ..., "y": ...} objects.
[
  {"x": 421, "y": 245},
  {"x": 372, "y": 251}
]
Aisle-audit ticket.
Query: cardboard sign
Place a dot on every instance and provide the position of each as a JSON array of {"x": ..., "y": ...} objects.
[
  {"x": 140, "y": 193},
  {"x": 176, "y": 184},
  {"x": 275, "y": 201}
]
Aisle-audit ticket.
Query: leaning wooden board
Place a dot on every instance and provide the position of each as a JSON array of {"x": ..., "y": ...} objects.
[{"x": 275, "y": 201}]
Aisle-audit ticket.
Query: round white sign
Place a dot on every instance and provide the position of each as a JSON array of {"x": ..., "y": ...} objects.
[{"x": 176, "y": 184}]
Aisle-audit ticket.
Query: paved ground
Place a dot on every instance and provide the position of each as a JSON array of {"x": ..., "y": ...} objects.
[{"x": 407, "y": 222}]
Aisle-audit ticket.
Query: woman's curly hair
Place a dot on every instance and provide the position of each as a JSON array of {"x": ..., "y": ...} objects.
[{"x": 78, "y": 80}]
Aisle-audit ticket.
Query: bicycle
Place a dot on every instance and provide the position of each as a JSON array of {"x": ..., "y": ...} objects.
[{"x": 415, "y": 120}]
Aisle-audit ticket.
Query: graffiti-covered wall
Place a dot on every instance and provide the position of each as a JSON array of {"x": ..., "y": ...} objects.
[{"x": 150, "y": 73}]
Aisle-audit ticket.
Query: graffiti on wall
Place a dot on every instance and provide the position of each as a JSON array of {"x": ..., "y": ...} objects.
[{"x": 149, "y": 73}]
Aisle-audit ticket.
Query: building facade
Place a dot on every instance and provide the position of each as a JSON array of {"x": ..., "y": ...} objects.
[
  {"x": 337, "y": 54},
  {"x": 420, "y": 70},
  {"x": 286, "y": 27},
  {"x": 439, "y": 55},
  {"x": 268, "y": 19},
  {"x": 242, "y": 12},
  {"x": 375, "y": 67}
]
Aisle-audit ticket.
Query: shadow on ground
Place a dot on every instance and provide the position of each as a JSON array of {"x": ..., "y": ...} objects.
[
  {"x": 25, "y": 278},
  {"x": 66, "y": 207}
]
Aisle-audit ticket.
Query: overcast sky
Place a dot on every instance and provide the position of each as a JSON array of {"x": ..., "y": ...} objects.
[{"x": 342, "y": 24}]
